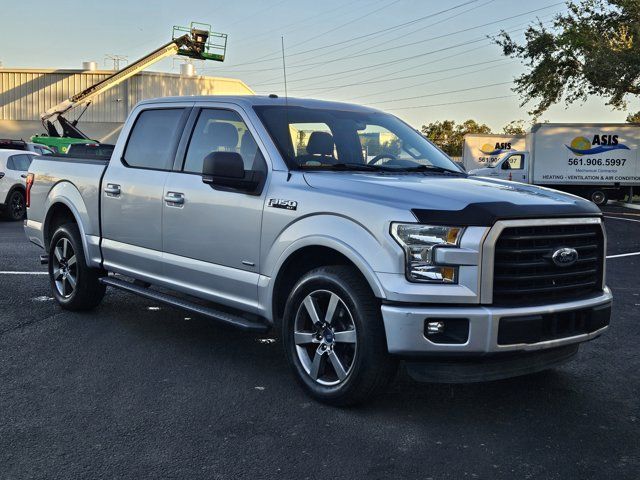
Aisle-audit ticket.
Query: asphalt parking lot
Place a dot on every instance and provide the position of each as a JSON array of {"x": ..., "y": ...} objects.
[{"x": 136, "y": 391}]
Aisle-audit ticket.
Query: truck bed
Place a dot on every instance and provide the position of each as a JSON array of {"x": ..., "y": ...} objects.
[{"x": 71, "y": 181}]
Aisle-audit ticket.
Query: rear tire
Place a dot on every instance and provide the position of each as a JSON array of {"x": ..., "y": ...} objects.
[
  {"x": 598, "y": 196},
  {"x": 74, "y": 285},
  {"x": 334, "y": 337},
  {"x": 16, "y": 206}
]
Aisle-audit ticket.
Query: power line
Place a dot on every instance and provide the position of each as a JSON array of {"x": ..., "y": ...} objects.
[
  {"x": 442, "y": 93},
  {"x": 271, "y": 55},
  {"x": 360, "y": 69},
  {"x": 384, "y": 78},
  {"x": 388, "y": 29},
  {"x": 374, "y": 33},
  {"x": 393, "y": 62},
  {"x": 421, "y": 84},
  {"x": 299, "y": 24},
  {"x": 352, "y": 56},
  {"x": 349, "y": 57},
  {"x": 456, "y": 103}
]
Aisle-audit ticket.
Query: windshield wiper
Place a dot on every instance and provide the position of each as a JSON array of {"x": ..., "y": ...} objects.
[
  {"x": 364, "y": 167},
  {"x": 430, "y": 168}
]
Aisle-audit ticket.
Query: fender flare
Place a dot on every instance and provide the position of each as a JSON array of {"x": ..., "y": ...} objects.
[
  {"x": 315, "y": 228},
  {"x": 67, "y": 194},
  {"x": 13, "y": 189}
]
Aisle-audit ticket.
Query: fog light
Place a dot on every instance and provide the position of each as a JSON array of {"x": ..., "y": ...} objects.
[{"x": 446, "y": 330}]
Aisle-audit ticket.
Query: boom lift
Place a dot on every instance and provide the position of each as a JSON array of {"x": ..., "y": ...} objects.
[{"x": 197, "y": 41}]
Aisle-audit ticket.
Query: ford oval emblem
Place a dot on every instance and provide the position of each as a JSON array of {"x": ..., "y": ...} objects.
[{"x": 565, "y": 257}]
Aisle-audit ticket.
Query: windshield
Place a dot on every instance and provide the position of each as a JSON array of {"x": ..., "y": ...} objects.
[{"x": 312, "y": 138}]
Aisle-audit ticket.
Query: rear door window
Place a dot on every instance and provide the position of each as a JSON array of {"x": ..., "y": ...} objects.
[
  {"x": 19, "y": 162},
  {"x": 153, "y": 139}
]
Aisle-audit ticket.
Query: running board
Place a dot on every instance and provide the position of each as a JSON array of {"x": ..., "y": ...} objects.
[{"x": 211, "y": 313}]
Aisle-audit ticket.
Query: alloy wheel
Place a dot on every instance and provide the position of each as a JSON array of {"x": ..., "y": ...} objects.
[
  {"x": 17, "y": 206},
  {"x": 325, "y": 337},
  {"x": 65, "y": 268}
]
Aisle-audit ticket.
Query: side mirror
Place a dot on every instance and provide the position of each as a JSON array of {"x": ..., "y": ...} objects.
[
  {"x": 223, "y": 164},
  {"x": 506, "y": 165},
  {"x": 225, "y": 170}
]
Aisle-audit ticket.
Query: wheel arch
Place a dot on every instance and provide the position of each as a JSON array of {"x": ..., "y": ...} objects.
[
  {"x": 310, "y": 253},
  {"x": 59, "y": 213},
  {"x": 17, "y": 186}
]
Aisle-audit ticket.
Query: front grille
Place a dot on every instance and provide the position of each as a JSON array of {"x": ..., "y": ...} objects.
[{"x": 525, "y": 273}]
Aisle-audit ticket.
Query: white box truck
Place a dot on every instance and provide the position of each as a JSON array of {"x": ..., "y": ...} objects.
[
  {"x": 595, "y": 161},
  {"x": 479, "y": 151}
]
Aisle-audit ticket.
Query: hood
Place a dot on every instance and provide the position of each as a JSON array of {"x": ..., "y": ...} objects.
[{"x": 453, "y": 199}]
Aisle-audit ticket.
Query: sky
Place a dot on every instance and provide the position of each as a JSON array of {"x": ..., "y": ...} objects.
[{"x": 423, "y": 60}]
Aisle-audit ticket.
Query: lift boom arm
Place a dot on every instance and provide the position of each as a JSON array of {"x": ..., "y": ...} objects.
[{"x": 194, "y": 44}]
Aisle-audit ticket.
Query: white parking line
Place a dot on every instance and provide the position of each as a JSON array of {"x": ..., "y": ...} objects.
[
  {"x": 625, "y": 219},
  {"x": 633, "y": 254},
  {"x": 23, "y": 273}
]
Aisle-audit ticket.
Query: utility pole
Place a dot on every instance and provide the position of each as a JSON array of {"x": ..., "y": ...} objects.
[{"x": 115, "y": 59}]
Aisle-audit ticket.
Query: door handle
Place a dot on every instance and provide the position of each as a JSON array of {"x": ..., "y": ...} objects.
[
  {"x": 174, "y": 198},
  {"x": 23, "y": 176},
  {"x": 112, "y": 190}
]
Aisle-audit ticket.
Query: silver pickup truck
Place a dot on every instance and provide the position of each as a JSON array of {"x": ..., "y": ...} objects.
[{"x": 339, "y": 227}]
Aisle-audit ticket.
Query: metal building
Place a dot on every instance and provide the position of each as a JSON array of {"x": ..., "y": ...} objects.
[{"x": 25, "y": 93}]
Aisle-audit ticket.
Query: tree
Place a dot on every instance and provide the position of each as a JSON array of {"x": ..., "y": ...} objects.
[
  {"x": 592, "y": 49},
  {"x": 515, "y": 127},
  {"x": 449, "y": 136},
  {"x": 633, "y": 117}
]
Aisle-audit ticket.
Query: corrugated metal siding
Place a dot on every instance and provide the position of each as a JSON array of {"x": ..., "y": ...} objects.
[{"x": 24, "y": 95}]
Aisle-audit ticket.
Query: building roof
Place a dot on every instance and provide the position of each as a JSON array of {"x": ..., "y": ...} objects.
[{"x": 27, "y": 92}]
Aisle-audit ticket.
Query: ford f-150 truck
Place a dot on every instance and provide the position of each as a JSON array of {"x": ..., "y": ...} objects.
[{"x": 340, "y": 227}]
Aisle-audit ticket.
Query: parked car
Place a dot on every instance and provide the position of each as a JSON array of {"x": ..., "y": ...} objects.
[
  {"x": 262, "y": 213},
  {"x": 7, "y": 144},
  {"x": 13, "y": 172}
]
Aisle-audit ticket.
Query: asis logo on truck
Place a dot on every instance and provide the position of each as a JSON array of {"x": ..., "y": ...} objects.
[
  {"x": 565, "y": 257},
  {"x": 599, "y": 144},
  {"x": 495, "y": 149}
]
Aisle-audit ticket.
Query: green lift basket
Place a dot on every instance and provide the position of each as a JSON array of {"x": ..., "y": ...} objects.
[{"x": 205, "y": 44}]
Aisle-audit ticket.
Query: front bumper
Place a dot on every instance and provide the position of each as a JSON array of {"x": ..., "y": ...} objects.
[{"x": 406, "y": 335}]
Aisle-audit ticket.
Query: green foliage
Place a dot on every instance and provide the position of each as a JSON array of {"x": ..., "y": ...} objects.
[
  {"x": 592, "y": 49},
  {"x": 393, "y": 147},
  {"x": 449, "y": 136},
  {"x": 515, "y": 127},
  {"x": 633, "y": 117}
]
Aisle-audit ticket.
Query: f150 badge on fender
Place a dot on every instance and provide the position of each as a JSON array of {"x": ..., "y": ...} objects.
[{"x": 286, "y": 204}]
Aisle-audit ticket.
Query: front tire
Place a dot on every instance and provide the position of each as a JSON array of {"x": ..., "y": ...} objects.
[
  {"x": 599, "y": 197},
  {"x": 334, "y": 337},
  {"x": 74, "y": 285}
]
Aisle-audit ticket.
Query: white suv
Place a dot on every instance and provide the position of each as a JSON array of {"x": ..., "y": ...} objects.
[{"x": 13, "y": 172}]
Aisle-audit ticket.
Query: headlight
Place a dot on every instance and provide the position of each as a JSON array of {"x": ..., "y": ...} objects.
[{"x": 418, "y": 242}]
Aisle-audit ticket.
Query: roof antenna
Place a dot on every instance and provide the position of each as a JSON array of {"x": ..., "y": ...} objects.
[
  {"x": 286, "y": 93},
  {"x": 284, "y": 69}
]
